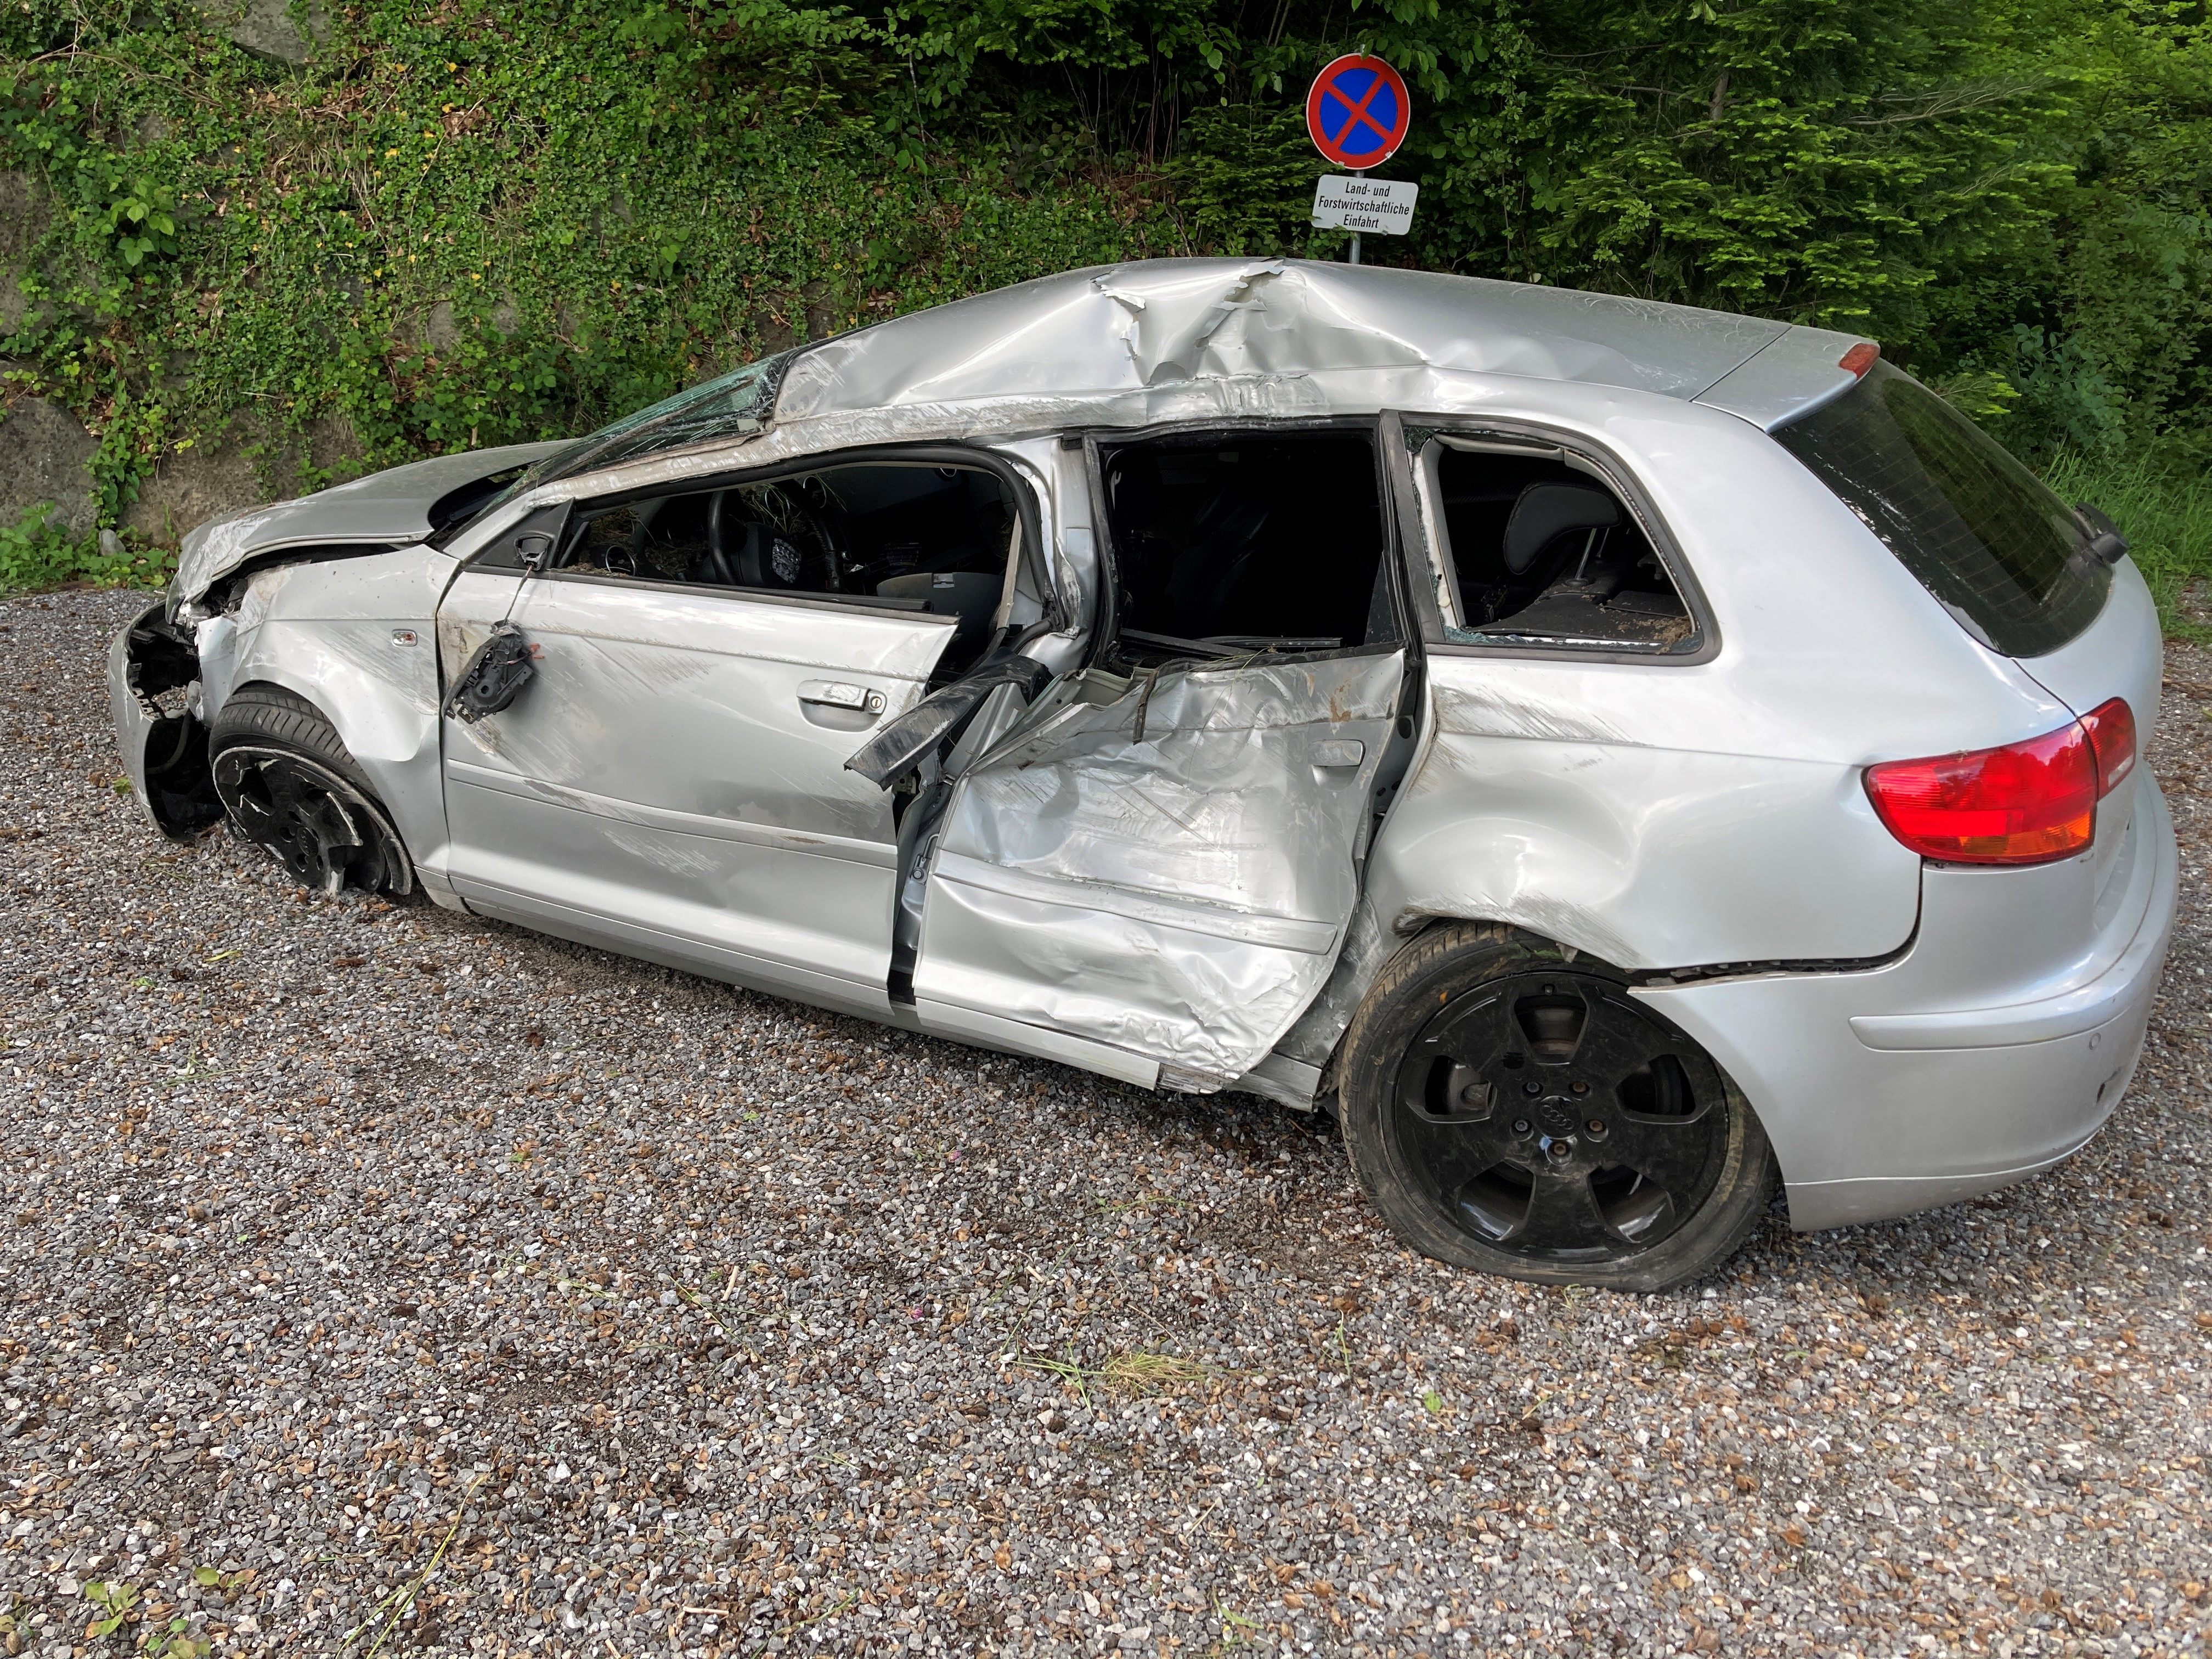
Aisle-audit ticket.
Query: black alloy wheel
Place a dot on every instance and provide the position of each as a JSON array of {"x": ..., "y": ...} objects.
[
  {"x": 1552, "y": 1116},
  {"x": 1511, "y": 1111},
  {"x": 310, "y": 820},
  {"x": 289, "y": 786}
]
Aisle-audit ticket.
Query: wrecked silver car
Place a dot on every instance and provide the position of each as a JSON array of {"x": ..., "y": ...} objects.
[{"x": 1610, "y": 754}]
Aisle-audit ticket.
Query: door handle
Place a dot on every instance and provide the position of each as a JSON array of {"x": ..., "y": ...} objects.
[
  {"x": 837, "y": 694},
  {"x": 1339, "y": 751}
]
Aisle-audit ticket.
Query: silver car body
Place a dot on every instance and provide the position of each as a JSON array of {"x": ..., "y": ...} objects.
[{"x": 1207, "y": 908}]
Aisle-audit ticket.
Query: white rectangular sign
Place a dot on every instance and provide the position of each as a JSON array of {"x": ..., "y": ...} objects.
[{"x": 1365, "y": 204}]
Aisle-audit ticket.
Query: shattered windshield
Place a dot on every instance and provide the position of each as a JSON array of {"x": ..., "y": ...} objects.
[{"x": 729, "y": 406}]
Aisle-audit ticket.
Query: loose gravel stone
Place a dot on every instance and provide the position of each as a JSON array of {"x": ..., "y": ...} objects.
[{"x": 390, "y": 1274}]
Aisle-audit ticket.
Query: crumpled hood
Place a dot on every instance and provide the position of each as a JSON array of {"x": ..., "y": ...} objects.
[{"x": 385, "y": 506}]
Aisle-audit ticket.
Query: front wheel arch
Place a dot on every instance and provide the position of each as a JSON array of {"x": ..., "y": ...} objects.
[{"x": 290, "y": 785}]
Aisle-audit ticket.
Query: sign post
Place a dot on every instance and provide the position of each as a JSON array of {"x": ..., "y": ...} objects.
[{"x": 1357, "y": 114}]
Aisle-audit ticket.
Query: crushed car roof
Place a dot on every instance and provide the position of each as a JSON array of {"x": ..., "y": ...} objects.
[
  {"x": 1129, "y": 345},
  {"x": 1099, "y": 336}
]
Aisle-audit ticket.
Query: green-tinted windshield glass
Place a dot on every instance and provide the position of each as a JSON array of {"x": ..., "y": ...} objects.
[
  {"x": 1982, "y": 533},
  {"x": 728, "y": 406}
]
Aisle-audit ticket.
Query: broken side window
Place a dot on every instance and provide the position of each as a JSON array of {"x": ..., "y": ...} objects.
[
  {"x": 1228, "y": 544},
  {"x": 1534, "y": 549}
]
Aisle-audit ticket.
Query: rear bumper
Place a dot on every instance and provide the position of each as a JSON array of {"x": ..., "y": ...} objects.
[{"x": 1994, "y": 1047}]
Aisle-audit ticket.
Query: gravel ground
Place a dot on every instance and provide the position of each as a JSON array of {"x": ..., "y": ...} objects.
[{"x": 389, "y": 1276}]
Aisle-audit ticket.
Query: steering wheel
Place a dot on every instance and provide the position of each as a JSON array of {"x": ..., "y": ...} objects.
[
  {"x": 717, "y": 566},
  {"x": 814, "y": 500},
  {"x": 738, "y": 550}
]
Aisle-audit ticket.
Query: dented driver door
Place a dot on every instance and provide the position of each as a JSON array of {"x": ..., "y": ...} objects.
[
  {"x": 670, "y": 782},
  {"x": 1152, "y": 876}
]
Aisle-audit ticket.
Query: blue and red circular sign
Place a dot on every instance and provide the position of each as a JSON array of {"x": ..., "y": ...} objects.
[{"x": 1357, "y": 112}]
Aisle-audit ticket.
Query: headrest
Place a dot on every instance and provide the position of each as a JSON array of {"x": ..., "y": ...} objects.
[{"x": 1545, "y": 510}]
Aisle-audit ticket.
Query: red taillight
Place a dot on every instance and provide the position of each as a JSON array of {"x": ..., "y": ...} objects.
[
  {"x": 1859, "y": 359},
  {"x": 2111, "y": 729},
  {"x": 2026, "y": 803}
]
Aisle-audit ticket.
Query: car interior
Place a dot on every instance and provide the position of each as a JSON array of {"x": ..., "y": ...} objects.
[
  {"x": 1537, "y": 549},
  {"x": 912, "y": 536},
  {"x": 1230, "y": 545}
]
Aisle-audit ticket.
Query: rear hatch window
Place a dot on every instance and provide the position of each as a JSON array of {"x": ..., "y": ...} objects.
[{"x": 1999, "y": 551}]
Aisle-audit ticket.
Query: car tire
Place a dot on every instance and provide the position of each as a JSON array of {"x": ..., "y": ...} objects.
[
  {"x": 289, "y": 786},
  {"x": 1512, "y": 1109}
]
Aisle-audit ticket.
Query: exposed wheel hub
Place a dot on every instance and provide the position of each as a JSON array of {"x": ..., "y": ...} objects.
[{"x": 1551, "y": 1116}]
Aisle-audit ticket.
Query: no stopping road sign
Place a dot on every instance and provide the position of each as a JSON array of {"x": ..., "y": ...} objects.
[{"x": 1359, "y": 112}]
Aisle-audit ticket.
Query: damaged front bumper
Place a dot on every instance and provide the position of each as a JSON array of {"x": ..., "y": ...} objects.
[{"x": 152, "y": 672}]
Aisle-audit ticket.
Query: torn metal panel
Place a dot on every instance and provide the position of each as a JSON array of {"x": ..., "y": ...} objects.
[
  {"x": 900, "y": 745},
  {"x": 1014, "y": 1037},
  {"x": 1367, "y": 945},
  {"x": 1180, "y": 894},
  {"x": 1172, "y": 995},
  {"x": 1225, "y": 775},
  {"x": 1287, "y": 1082},
  {"x": 215, "y": 639}
]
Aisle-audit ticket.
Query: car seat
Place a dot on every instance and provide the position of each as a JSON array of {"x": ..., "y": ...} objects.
[{"x": 971, "y": 595}]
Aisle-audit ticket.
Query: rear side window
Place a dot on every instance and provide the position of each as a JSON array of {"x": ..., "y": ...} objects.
[
  {"x": 1536, "y": 552},
  {"x": 2000, "y": 551}
]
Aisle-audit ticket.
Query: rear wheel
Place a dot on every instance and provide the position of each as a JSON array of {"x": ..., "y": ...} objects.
[
  {"x": 1509, "y": 1111},
  {"x": 290, "y": 787}
]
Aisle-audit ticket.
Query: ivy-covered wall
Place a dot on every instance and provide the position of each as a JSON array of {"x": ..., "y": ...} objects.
[{"x": 249, "y": 248}]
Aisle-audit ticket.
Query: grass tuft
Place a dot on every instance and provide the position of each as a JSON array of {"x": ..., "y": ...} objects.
[
  {"x": 2163, "y": 508},
  {"x": 1135, "y": 1375},
  {"x": 1141, "y": 1375}
]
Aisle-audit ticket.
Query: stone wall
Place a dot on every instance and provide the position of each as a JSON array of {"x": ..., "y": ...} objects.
[{"x": 44, "y": 449}]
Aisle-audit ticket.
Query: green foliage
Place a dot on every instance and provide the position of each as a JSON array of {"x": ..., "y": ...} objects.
[
  {"x": 1244, "y": 180},
  {"x": 141, "y": 218},
  {"x": 116, "y": 1603},
  {"x": 476, "y": 222},
  {"x": 38, "y": 551},
  {"x": 2163, "y": 511}
]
